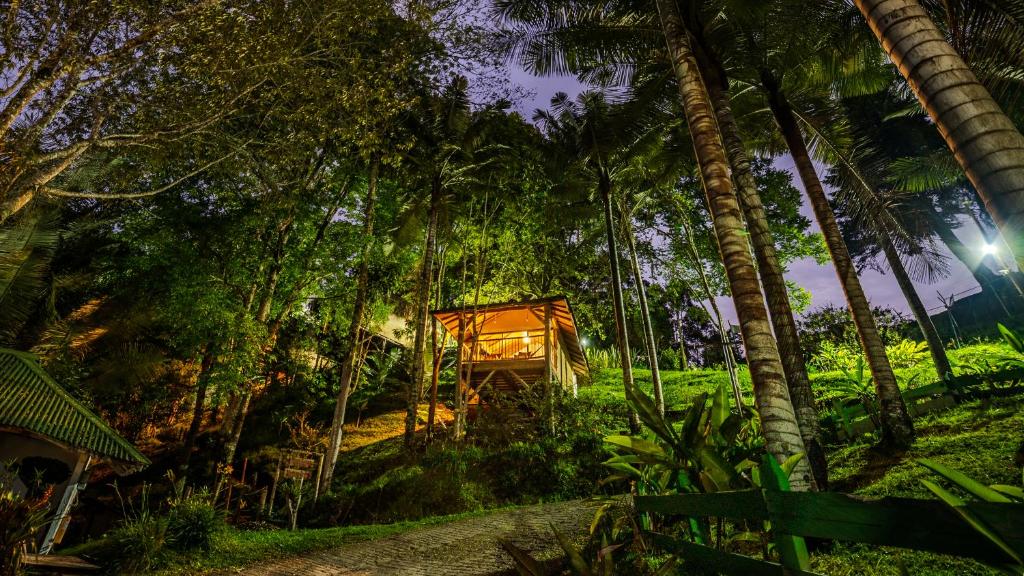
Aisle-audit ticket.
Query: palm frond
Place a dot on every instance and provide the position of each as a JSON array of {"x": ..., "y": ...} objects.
[{"x": 26, "y": 250}]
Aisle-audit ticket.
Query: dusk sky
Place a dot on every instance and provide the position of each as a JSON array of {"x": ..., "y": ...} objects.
[{"x": 821, "y": 281}]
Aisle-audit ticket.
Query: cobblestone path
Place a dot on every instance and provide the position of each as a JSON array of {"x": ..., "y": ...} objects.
[{"x": 463, "y": 547}]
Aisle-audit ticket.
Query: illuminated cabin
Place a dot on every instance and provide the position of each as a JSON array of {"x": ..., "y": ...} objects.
[{"x": 504, "y": 348}]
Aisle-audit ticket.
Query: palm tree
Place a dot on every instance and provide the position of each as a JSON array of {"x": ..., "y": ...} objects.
[
  {"x": 645, "y": 314},
  {"x": 585, "y": 132},
  {"x": 769, "y": 267},
  {"x": 608, "y": 40},
  {"x": 895, "y": 221},
  {"x": 781, "y": 430},
  {"x": 447, "y": 157},
  {"x": 27, "y": 245},
  {"x": 775, "y": 60},
  {"x": 984, "y": 140}
]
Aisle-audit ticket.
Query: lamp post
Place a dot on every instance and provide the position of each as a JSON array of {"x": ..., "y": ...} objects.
[{"x": 1002, "y": 268}]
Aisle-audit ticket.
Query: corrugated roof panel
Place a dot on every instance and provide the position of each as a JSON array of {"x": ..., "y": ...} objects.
[{"x": 32, "y": 401}]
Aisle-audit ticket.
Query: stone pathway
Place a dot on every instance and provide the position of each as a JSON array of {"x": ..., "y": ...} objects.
[{"x": 463, "y": 547}]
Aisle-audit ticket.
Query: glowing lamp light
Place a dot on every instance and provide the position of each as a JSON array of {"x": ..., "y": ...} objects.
[
  {"x": 526, "y": 338},
  {"x": 584, "y": 342},
  {"x": 989, "y": 249}
]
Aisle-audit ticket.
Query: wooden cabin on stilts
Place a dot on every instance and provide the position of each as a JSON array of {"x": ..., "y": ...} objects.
[{"x": 511, "y": 347}]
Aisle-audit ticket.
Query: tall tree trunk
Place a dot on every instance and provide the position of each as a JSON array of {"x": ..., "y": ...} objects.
[
  {"x": 604, "y": 186},
  {"x": 984, "y": 140},
  {"x": 202, "y": 387},
  {"x": 771, "y": 393},
  {"x": 770, "y": 270},
  {"x": 727, "y": 356},
  {"x": 897, "y": 427},
  {"x": 350, "y": 360},
  {"x": 924, "y": 321},
  {"x": 416, "y": 370},
  {"x": 435, "y": 376},
  {"x": 645, "y": 314}
]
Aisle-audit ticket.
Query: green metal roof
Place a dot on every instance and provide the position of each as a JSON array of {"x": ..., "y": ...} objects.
[{"x": 31, "y": 400}]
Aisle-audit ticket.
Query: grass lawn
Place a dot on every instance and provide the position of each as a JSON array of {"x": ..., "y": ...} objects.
[
  {"x": 984, "y": 440},
  {"x": 981, "y": 440}
]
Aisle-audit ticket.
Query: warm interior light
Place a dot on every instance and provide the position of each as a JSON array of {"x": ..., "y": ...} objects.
[
  {"x": 989, "y": 249},
  {"x": 526, "y": 338}
]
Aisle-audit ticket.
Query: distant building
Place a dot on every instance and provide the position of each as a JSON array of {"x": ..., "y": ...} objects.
[{"x": 504, "y": 348}]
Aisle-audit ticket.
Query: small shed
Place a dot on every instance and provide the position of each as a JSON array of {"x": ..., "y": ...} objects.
[
  {"x": 507, "y": 347},
  {"x": 39, "y": 419}
]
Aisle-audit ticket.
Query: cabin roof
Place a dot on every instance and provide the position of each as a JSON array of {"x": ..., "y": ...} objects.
[
  {"x": 31, "y": 401},
  {"x": 520, "y": 316}
]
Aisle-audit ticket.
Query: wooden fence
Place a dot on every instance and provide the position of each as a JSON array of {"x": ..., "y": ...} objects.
[
  {"x": 852, "y": 417},
  {"x": 928, "y": 525}
]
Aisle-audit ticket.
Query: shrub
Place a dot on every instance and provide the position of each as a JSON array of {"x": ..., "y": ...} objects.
[
  {"x": 192, "y": 523},
  {"x": 907, "y": 354},
  {"x": 137, "y": 547},
  {"x": 670, "y": 359}
]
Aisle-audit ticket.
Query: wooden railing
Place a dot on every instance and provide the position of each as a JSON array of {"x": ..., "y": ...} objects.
[
  {"x": 508, "y": 346},
  {"x": 927, "y": 525}
]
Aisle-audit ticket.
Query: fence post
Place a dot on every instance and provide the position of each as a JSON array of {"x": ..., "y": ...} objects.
[{"x": 792, "y": 549}]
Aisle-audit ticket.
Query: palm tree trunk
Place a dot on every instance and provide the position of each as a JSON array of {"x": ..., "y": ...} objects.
[
  {"x": 771, "y": 394},
  {"x": 604, "y": 186},
  {"x": 897, "y": 427},
  {"x": 645, "y": 314},
  {"x": 984, "y": 140},
  {"x": 435, "y": 376},
  {"x": 924, "y": 321},
  {"x": 774, "y": 284},
  {"x": 349, "y": 362},
  {"x": 416, "y": 370}
]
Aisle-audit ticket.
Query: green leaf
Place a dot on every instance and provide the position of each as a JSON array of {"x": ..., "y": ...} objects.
[
  {"x": 1011, "y": 491},
  {"x": 960, "y": 479},
  {"x": 708, "y": 482},
  {"x": 635, "y": 444},
  {"x": 667, "y": 568},
  {"x": 1012, "y": 338},
  {"x": 731, "y": 427},
  {"x": 624, "y": 459},
  {"x": 978, "y": 524},
  {"x": 650, "y": 416},
  {"x": 719, "y": 408},
  {"x": 790, "y": 464},
  {"x": 691, "y": 423},
  {"x": 525, "y": 564},
  {"x": 599, "y": 515},
  {"x": 579, "y": 565},
  {"x": 717, "y": 467},
  {"x": 629, "y": 471}
]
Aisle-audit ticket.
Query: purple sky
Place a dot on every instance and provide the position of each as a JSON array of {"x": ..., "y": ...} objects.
[{"x": 821, "y": 281}]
